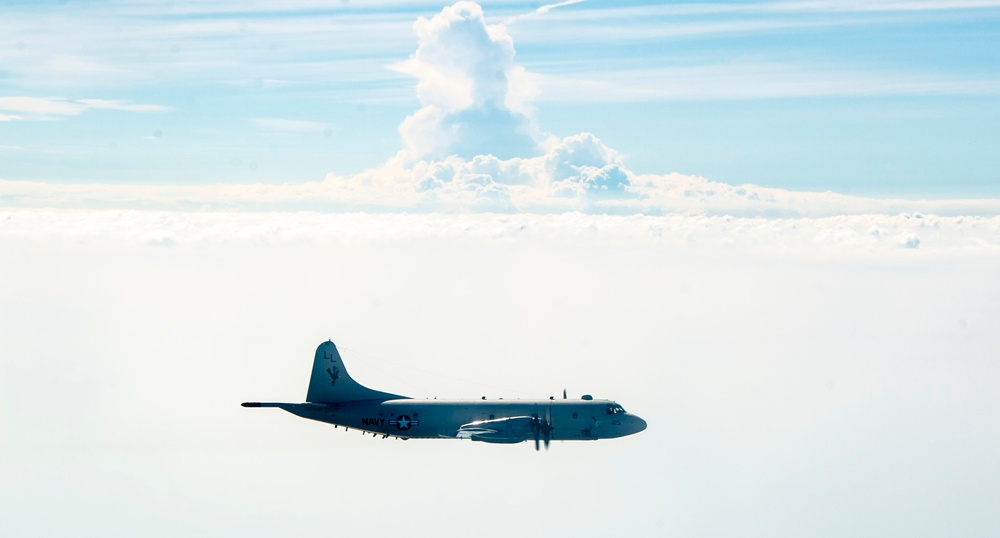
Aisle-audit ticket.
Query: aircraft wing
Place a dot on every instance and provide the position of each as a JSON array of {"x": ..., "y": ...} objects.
[{"x": 500, "y": 430}]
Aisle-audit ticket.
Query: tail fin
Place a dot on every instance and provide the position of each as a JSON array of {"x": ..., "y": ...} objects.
[{"x": 331, "y": 383}]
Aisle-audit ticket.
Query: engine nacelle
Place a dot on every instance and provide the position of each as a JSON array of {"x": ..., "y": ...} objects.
[{"x": 498, "y": 430}]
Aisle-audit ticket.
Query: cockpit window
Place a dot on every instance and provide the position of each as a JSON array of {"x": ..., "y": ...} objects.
[{"x": 615, "y": 410}]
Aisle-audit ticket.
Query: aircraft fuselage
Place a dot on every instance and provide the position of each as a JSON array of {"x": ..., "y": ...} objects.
[{"x": 435, "y": 419}]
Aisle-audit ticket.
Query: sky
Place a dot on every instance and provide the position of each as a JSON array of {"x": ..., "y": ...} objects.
[
  {"x": 884, "y": 99},
  {"x": 771, "y": 229}
]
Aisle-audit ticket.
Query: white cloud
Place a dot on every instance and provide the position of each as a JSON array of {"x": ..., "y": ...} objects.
[
  {"x": 41, "y": 106},
  {"x": 850, "y": 236},
  {"x": 132, "y": 45},
  {"x": 473, "y": 95},
  {"x": 44, "y": 108},
  {"x": 910, "y": 240},
  {"x": 137, "y": 43},
  {"x": 578, "y": 173},
  {"x": 785, "y": 368},
  {"x": 540, "y": 11},
  {"x": 790, "y": 380},
  {"x": 118, "y": 104}
]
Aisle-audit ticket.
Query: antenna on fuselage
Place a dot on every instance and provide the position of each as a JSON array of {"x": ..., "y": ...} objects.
[{"x": 564, "y": 394}]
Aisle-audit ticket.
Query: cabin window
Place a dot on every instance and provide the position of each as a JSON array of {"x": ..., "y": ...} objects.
[{"x": 575, "y": 416}]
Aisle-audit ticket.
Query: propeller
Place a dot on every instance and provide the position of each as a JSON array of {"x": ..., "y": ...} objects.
[
  {"x": 547, "y": 428},
  {"x": 541, "y": 430}
]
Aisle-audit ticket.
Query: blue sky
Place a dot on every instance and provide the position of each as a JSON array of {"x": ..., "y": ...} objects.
[{"x": 879, "y": 99}]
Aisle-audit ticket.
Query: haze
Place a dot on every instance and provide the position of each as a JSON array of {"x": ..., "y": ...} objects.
[{"x": 814, "y": 348}]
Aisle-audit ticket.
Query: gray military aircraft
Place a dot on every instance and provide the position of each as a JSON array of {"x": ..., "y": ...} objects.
[{"x": 336, "y": 398}]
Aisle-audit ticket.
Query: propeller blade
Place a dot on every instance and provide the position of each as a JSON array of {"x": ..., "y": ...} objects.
[
  {"x": 547, "y": 427},
  {"x": 536, "y": 430}
]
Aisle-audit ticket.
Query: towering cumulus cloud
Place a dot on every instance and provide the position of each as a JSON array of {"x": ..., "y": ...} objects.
[
  {"x": 471, "y": 91},
  {"x": 473, "y": 143}
]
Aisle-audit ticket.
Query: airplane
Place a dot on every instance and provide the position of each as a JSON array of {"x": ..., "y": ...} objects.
[{"x": 336, "y": 398}]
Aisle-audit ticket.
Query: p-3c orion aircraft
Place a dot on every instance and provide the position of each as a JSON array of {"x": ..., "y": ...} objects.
[{"x": 336, "y": 398}]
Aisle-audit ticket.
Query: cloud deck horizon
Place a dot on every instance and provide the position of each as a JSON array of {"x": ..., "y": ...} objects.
[{"x": 803, "y": 237}]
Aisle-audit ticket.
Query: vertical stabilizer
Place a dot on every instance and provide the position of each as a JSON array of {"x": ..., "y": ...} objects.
[{"x": 331, "y": 383}]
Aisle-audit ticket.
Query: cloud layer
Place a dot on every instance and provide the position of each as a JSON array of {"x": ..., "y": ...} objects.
[
  {"x": 861, "y": 235},
  {"x": 824, "y": 381},
  {"x": 577, "y": 175}
]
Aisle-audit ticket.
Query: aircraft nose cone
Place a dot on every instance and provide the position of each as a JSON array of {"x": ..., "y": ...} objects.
[{"x": 637, "y": 424}]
